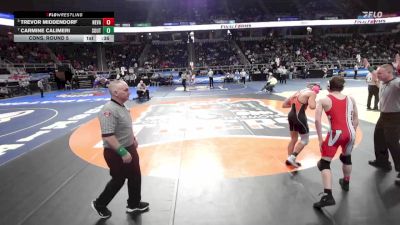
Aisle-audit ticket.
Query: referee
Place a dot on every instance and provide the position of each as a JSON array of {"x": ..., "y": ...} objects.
[
  {"x": 387, "y": 129},
  {"x": 120, "y": 152}
]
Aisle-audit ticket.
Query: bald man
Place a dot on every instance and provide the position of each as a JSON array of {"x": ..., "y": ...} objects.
[
  {"x": 120, "y": 152},
  {"x": 387, "y": 129}
]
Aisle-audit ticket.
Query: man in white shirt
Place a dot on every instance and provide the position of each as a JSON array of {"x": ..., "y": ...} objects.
[
  {"x": 41, "y": 87},
  {"x": 211, "y": 78},
  {"x": 142, "y": 90}
]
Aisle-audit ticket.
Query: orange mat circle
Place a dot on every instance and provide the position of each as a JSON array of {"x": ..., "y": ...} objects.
[{"x": 213, "y": 155}]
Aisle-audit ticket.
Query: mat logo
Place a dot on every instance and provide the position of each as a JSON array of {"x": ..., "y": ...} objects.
[
  {"x": 6, "y": 117},
  {"x": 81, "y": 94},
  {"x": 194, "y": 120},
  {"x": 203, "y": 138}
]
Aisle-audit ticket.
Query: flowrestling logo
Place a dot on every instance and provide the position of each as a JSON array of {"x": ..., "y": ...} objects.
[{"x": 370, "y": 17}]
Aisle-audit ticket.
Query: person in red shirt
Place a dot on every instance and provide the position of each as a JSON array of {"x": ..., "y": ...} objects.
[{"x": 341, "y": 111}]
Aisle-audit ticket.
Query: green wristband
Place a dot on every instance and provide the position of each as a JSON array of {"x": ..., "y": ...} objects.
[{"x": 122, "y": 151}]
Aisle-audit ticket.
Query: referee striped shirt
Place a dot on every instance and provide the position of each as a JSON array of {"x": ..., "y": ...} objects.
[{"x": 115, "y": 119}]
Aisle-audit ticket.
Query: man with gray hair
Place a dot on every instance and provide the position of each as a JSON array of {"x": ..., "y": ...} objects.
[
  {"x": 387, "y": 129},
  {"x": 120, "y": 152}
]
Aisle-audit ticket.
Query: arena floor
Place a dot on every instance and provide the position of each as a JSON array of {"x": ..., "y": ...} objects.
[{"x": 208, "y": 156}]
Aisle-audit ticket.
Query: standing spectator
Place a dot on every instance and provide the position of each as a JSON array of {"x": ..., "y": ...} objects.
[
  {"x": 120, "y": 152},
  {"x": 41, "y": 87},
  {"x": 387, "y": 129},
  {"x": 355, "y": 71},
  {"x": 341, "y": 111},
  {"x": 243, "y": 76},
  {"x": 373, "y": 88},
  {"x": 184, "y": 78},
  {"x": 211, "y": 78}
]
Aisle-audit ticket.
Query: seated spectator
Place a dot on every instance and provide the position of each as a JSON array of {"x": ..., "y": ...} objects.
[
  {"x": 170, "y": 80},
  {"x": 142, "y": 90},
  {"x": 4, "y": 91},
  {"x": 97, "y": 82},
  {"x": 100, "y": 82},
  {"x": 228, "y": 77},
  {"x": 272, "y": 81},
  {"x": 155, "y": 79},
  {"x": 68, "y": 85},
  {"x": 75, "y": 82},
  {"x": 25, "y": 87}
]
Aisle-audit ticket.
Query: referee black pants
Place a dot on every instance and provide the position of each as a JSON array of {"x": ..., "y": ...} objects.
[
  {"x": 119, "y": 172},
  {"x": 386, "y": 137}
]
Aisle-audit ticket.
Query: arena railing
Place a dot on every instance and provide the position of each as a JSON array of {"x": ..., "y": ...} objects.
[
  {"x": 312, "y": 64},
  {"x": 34, "y": 65},
  {"x": 342, "y": 63}
]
